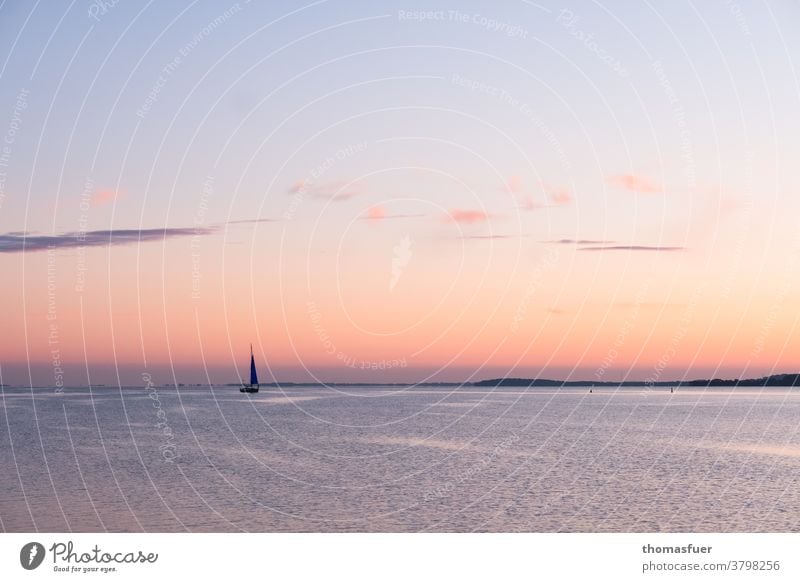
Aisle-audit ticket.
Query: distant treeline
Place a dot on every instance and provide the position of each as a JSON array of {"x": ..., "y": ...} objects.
[{"x": 774, "y": 380}]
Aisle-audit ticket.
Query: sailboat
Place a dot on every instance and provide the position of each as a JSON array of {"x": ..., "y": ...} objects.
[{"x": 253, "y": 385}]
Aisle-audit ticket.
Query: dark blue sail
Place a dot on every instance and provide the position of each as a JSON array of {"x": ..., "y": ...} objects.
[{"x": 253, "y": 375}]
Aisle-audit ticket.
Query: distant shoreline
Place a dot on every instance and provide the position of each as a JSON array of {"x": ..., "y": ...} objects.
[{"x": 777, "y": 380}]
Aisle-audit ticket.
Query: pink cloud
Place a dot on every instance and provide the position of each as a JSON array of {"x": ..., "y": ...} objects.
[
  {"x": 376, "y": 213},
  {"x": 634, "y": 183},
  {"x": 555, "y": 311},
  {"x": 467, "y": 216},
  {"x": 560, "y": 196},
  {"x": 298, "y": 186},
  {"x": 513, "y": 185},
  {"x": 528, "y": 203},
  {"x": 555, "y": 196},
  {"x": 103, "y": 197}
]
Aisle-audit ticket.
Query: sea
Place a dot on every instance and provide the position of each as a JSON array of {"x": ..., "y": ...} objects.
[{"x": 399, "y": 459}]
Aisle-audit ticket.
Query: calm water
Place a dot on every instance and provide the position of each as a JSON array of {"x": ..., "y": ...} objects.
[{"x": 412, "y": 459}]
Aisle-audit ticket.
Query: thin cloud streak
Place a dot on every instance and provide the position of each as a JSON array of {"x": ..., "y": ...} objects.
[
  {"x": 580, "y": 241},
  {"x": 21, "y": 241},
  {"x": 337, "y": 191},
  {"x": 377, "y": 213},
  {"x": 490, "y": 236},
  {"x": 634, "y": 248},
  {"x": 391, "y": 216},
  {"x": 13, "y": 243},
  {"x": 252, "y": 221}
]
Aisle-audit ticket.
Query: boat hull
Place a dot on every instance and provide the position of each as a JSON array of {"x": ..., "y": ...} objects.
[{"x": 248, "y": 389}]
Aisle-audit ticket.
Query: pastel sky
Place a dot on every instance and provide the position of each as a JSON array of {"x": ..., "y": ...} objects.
[{"x": 394, "y": 191}]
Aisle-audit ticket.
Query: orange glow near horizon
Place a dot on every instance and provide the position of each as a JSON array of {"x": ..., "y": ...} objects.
[{"x": 536, "y": 313}]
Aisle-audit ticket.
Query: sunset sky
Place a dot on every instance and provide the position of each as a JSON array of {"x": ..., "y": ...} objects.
[{"x": 368, "y": 192}]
